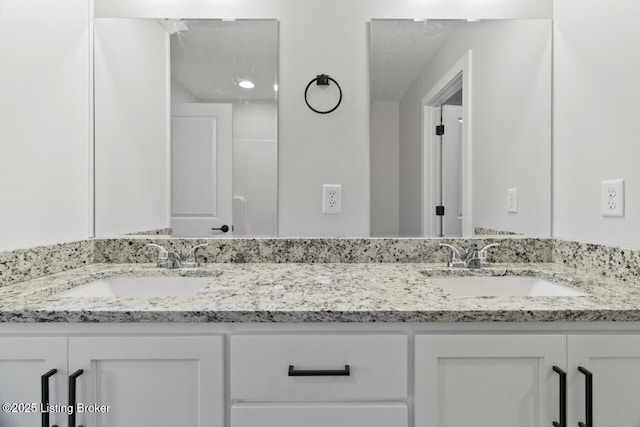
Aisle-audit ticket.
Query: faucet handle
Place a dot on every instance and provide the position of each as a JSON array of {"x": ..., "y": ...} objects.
[
  {"x": 190, "y": 260},
  {"x": 456, "y": 255},
  {"x": 163, "y": 254},
  {"x": 489, "y": 246},
  {"x": 482, "y": 253},
  {"x": 455, "y": 252}
]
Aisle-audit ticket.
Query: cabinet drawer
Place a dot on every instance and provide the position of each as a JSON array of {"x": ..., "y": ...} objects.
[
  {"x": 319, "y": 415},
  {"x": 260, "y": 367}
]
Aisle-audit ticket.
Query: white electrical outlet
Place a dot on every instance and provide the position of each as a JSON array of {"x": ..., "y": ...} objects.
[
  {"x": 512, "y": 200},
  {"x": 612, "y": 197},
  {"x": 331, "y": 199}
]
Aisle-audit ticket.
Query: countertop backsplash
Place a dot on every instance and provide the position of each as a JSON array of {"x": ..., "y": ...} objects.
[
  {"x": 26, "y": 264},
  {"x": 322, "y": 250},
  {"x": 607, "y": 261}
]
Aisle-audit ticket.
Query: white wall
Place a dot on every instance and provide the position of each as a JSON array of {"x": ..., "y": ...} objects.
[
  {"x": 511, "y": 127},
  {"x": 328, "y": 36},
  {"x": 596, "y": 126},
  {"x": 131, "y": 126},
  {"x": 181, "y": 95},
  {"x": 385, "y": 136},
  {"x": 255, "y": 167},
  {"x": 44, "y": 122}
]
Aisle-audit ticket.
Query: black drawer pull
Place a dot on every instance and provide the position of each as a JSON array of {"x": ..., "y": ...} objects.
[
  {"x": 44, "y": 390},
  {"x": 563, "y": 398},
  {"x": 588, "y": 397},
  {"x": 72, "y": 397},
  {"x": 319, "y": 372}
]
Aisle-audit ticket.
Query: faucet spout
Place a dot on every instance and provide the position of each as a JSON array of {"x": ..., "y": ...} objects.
[{"x": 478, "y": 259}]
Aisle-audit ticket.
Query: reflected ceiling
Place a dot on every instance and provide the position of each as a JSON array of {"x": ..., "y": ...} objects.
[{"x": 211, "y": 57}]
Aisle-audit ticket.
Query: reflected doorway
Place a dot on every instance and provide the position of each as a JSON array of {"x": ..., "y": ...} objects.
[
  {"x": 446, "y": 162},
  {"x": 449, "y": 167}
]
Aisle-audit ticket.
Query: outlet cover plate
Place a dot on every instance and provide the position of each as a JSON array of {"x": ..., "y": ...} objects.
[
  {"x": 512, "y": 200},
  {"x": 332, "y": 199},
  {"x": 612, "y": 198}
]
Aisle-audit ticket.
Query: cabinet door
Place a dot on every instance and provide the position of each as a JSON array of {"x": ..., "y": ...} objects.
[
  {"x": 487, "y": 380},
  {"x": 23, "y": 361},
  {"x": 150, "y": 381},
  {"x": 319, "y": 415},
  {"x": 614, "y": 362}
]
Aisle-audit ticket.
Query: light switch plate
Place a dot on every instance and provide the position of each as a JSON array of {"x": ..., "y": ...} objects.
[
  {"x": 512, "y": 200},
  {"x": 612, "y": 198}
]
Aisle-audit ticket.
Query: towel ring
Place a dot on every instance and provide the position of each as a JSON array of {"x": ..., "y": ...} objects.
[{"x": 322, "y": 80}]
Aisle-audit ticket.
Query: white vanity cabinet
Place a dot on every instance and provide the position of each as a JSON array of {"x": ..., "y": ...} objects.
[
  {"x": 142, "y": 381},
  {"x": 323, "y": 375},
  {"x": 23, "y": 363},
  {"x": 150, "y": 381},
  {"x": 488, "y": 380},
  {"x": 319, "y": 415},
  {"x": 343, "y": 380},
  {"x": 614, "y": 364}
]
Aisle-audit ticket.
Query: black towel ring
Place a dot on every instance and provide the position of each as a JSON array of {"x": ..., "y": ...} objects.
[{"x": 323, "y": 80}]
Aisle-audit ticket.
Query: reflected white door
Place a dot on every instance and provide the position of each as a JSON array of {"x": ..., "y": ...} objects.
[
  {"x": 201, "y": 170},
  {"x": 452, "y": 169}
]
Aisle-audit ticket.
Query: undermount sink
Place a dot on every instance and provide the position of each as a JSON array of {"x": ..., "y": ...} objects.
[
  {"x": 139, "y": 287},
  {"x": 503, "y": 286}
]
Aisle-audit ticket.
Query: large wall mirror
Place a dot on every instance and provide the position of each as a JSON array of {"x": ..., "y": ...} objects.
[
  {"x": 460, "y": 127},
  {"x": 185, "y": 127}
]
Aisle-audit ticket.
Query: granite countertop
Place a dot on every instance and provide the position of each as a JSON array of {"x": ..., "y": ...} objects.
[{"x": 261, "y": 292}]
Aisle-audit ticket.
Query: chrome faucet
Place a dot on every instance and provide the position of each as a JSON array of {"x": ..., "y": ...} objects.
[
  {"x": 468, "y": 259},
  {"x": 163, "y": 255},
  {"x": 168, "y": 259},
  {"x": 191, "y": 261},
  {"x": 457, "y": 256}
]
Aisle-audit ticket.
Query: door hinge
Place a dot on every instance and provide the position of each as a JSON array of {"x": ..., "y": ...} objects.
[
  {"x": 440, "y": 130},
  {"x": 439, "y": 210}
]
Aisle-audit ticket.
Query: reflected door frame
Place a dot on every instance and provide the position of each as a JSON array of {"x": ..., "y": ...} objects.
[{"x": 457, "y": 77}]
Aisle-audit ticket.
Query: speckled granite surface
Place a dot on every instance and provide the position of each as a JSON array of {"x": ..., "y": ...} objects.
[
  {"x": 486, "y": 231},
  {"x": 320, "y": 293},
  {"x": 607, "y": 261},
  {"x": 319, "y": 280},
  {"x": 157, "y": 232},
  {"x": 322, "y": 250},
  {"x": 25, "y": 264}
]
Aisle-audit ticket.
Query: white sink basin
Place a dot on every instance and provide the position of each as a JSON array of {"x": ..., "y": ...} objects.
[
  {"x": 503, "y": 286},
  {"x": 139, "y": 287}
]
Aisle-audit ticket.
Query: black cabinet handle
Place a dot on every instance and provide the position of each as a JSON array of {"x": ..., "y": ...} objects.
[
  {"x": 588, "y": 397},
  {"x": 72, "y": 397},
  {"x": 224, "y": 228},
  {"x": 44, "y": 391},
  {"x": 319, "y": 372},
  {"x": 563, "y": 398}
]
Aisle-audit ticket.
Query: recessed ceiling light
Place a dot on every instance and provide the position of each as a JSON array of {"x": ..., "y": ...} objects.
[
  {"x": 474, "y": 20},
  {"x": 246, "y": 84}
]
